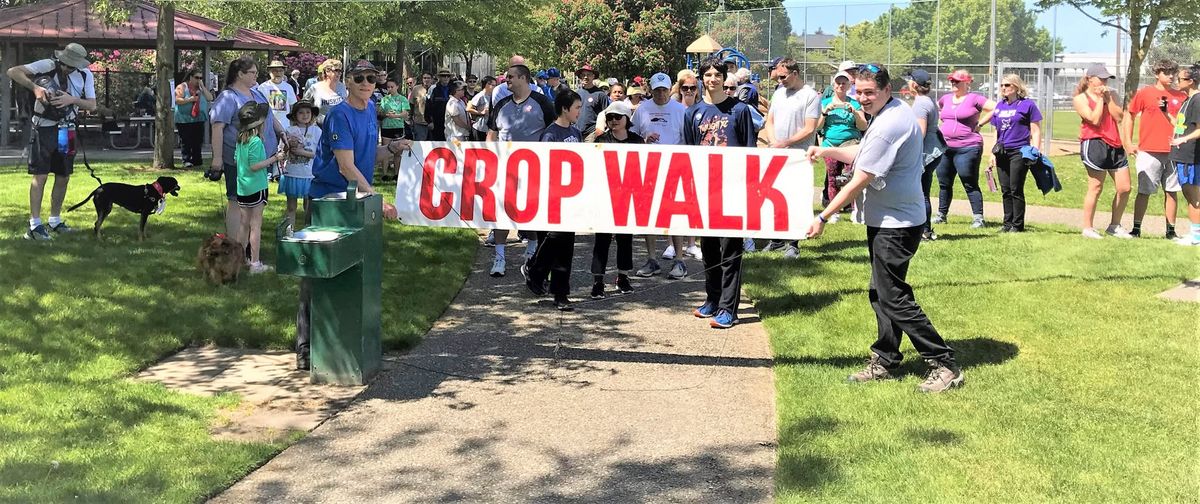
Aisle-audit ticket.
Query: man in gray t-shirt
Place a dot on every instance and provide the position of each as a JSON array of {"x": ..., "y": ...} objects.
[{"x": 888, "y": 166}]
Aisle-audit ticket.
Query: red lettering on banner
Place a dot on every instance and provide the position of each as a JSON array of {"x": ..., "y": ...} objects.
[
  {"x": 449, "y": 165},
  {"x": 761, "y": 187},
  {"x": 533, "y": 168},
  {"x": 559, "y": 159},
  {"x": 481, "y": 188},
  {"x": 630, "y": 187},
  {"x": 716, "y": 198},
  {"x": 679, "y": 173}
]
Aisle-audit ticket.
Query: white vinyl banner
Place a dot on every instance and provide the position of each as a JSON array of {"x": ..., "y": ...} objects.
[{"x": 609, "y": 188}]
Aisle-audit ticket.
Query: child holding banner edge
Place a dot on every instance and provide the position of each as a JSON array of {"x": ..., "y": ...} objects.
[{"x": 719, "y": 121}]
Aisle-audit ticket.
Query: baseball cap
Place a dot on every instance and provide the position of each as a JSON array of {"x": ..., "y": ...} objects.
[
  {"x": 842, "y": 74},
  {"x": 919, "y": 76},
  {"x": 542, "y": 75},
  {"x": 553, "y": 73},
  {"x": 586, "y": 68},
  {"x": 774, "y": 63},
  {"x": 362, "y": 66},
  {"x": 619, "y": 107},
  {"x": 847, "y": 66},
  {"x": 729, "y": 59},
  {"x": 1098, "y": 70},
  {"x": 660, "y": 80},
  {"x": 960, "y": 76}
]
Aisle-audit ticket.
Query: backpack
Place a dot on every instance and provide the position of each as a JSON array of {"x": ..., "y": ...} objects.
[{"x": 49, "y": 81}]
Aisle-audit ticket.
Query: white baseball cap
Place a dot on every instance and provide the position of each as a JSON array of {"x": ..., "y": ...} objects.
[
  {"x": 660, "y": 80},
  {"x": 619, "y": 107},
  {"x": 847, "y": 66}
]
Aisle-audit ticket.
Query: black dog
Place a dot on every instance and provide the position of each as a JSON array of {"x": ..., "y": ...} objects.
[{"x": 143, "y": 200}]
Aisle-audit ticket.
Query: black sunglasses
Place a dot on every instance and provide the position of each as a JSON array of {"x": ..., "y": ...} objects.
[
  {"x": 613, "y": 117},
  {"x": 359, "y": 78},
  {"x": 730, "y": 88},
  {"x": 688, "y": 88},
  {"x": 1006, "y": 85}
]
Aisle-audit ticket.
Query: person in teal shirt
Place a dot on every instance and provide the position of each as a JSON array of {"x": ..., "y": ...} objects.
[
  {"x": 251, "y": 158},
  {"x": 394, "y": 108},
  {"x": 842, "y": 122},
  {"x": 191, "y": 112}
]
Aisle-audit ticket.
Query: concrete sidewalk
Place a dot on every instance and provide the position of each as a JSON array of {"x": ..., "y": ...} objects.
[{"x": 627, "y": 399}]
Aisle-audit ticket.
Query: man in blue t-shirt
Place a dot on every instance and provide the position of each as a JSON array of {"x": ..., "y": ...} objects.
[
  {"x": 720, "y": 121},
  {"x": 348, "y": 152}
]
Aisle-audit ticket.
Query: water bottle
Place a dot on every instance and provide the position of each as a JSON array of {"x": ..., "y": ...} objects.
[{"x": 62, "y": 139}]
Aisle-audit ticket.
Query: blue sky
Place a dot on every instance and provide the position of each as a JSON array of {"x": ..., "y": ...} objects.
[{"x": 1078, "y": 33}]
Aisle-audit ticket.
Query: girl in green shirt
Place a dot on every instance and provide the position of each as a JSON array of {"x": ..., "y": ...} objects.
[{"x": 251, "y": 158}]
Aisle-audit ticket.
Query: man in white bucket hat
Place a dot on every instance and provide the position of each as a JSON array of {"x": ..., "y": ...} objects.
[{"x": 61, "y": 86}]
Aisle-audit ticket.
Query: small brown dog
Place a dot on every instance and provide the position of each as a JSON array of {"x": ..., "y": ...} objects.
[{"x": 221, "y": 259}]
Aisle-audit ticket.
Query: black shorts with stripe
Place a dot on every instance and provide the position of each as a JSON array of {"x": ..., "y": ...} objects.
[{"x": 1098, "y": 155}]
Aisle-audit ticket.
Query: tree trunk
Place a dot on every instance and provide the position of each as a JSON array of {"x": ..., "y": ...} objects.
[
  {"x": 401, "y": 60},
  {"x": 164, "y": 69},
  {"x": 467, "y": 63}
]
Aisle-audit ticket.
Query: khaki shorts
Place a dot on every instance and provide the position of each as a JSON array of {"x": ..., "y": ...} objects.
[{"x": 1154, "y": 172}]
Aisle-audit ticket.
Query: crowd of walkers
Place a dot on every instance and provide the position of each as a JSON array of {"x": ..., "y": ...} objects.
[{"x": 880, "y": 156}]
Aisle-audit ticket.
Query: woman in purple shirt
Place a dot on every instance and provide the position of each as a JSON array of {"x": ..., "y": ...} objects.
[
  {"x": 960, "y": 112},
  {"x": 1018, "y": 125}
]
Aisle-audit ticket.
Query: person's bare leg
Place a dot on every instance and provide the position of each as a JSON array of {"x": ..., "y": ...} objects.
[
  {"x": 291, "y": 211},
  {"x": 37, "y": 189},
  {"x": 243, "y": 236},
  {"x": 651, "y": 243},
  {"x": 58, "y": 194},
  {"x": 233, "y": 219},
  {"x": 255, "y": 233},
  {"x": 1140, "y": 202},
  {"x": 1170, "y": 206},
  {"x": 679, "y": 243},
  {"x": 1095, "y": 186},
  {"x": 1121, "y": 198}
]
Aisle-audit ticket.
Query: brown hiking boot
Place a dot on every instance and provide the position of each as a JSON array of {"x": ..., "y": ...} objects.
[
  {"x": 874, "y": 371},
  {"x": 941, "y": 377}
]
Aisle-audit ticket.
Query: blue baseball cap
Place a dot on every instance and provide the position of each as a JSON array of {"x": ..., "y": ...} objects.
[
  {"x": 553, "y": 73},
  {"x": 541, "y": 75},
  {"x": 919, "y": 76}
]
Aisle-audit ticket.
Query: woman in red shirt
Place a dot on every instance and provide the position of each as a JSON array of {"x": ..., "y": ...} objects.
[{"x": 1101, "y": 149}]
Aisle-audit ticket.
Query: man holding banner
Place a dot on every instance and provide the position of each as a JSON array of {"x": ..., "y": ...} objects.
[
  {"x": 888, "y": 166},
  {"x": 719, "y": 121}
]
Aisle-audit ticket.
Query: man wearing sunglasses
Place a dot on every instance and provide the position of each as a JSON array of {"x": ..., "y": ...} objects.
[
  {"x": 888, "y": 166},
  {"x": 61, "y": 86},
  {"x": 791, "y": 123}
]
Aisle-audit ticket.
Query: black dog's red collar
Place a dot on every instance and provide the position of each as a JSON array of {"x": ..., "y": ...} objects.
[{"x": 158, "y": 187}]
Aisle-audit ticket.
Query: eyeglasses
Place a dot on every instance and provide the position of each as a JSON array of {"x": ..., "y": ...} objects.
[
  {"x": 359, "y": 78},
  {"x": 1006, "y": 85},
  {"x": 688, "y": 89},
  {"x": 731, "y": 88},
  {"x": 335, "y": 70},
  {"x": 613, "y": 117},
  {"x": 1185, "y": 79}
]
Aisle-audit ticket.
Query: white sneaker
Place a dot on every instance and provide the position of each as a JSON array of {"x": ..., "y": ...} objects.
[
  {"x": 258, "y": 267},
  {"x": 669, "y": 253},
  {"x": 836, "y": 217},
  {"x": 1188, "y": 240},
  {"x": 1092, "y": 233},
  {"x": 694, "y": 251},
  {"x": 498, "y": 266},
  {"x": 1117, "y": 231}
]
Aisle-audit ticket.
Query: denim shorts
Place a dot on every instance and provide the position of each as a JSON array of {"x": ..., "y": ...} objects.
[{"x": 1189, "y": 174}]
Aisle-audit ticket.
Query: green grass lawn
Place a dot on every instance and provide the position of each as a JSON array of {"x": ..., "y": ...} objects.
[
  {"x": 79, "y": 317},
  {"x": 1080, "y": 384}
]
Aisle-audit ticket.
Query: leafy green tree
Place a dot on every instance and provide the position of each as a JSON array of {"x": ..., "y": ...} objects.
[
  {"x": 619, "y": 38},
  {"x": 1142, "y": 21}
]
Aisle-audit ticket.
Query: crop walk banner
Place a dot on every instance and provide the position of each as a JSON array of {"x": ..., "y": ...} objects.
[{"x": 610, "y": 188}]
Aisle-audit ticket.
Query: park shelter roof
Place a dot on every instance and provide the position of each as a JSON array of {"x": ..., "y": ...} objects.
[
  {"x": 704, "y": 45},
  {"x": 58, "y": 22}
]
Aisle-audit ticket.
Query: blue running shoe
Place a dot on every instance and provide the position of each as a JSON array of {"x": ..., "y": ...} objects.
[
  {"x": 723, "y": 320},
  {"x": 705, "y": 310}
]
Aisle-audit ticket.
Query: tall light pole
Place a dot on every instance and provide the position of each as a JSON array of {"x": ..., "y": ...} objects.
[{"x": 992, "y": 55}]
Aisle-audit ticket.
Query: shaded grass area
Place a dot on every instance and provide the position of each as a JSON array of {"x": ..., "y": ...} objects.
[
  {"x": 79, "y": 317},
  {"x": 1079, "y": 382}
]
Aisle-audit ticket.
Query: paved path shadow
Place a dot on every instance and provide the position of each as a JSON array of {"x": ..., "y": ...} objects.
[{"x": 626, "y": 399}]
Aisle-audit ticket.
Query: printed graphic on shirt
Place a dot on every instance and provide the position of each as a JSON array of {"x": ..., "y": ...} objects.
[
  {"x": 277, "y": 100},
  {"x": 714, "y": 130},
  {"x": 1006, "y": 117}
]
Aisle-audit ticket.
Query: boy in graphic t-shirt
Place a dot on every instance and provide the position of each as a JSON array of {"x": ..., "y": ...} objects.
[{"x": 719, "y": 121}]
